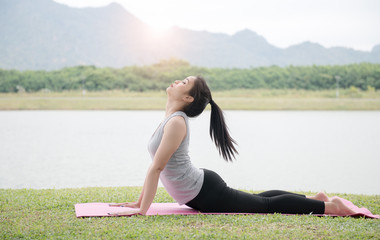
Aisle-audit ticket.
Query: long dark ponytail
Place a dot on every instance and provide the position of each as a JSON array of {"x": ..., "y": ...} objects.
[
  {"x": 219, "y": 133},
  {"x": 218, "y": 129}
]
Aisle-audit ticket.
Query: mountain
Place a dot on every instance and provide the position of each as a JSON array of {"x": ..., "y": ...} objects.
[{"x": 43, "y": 34}]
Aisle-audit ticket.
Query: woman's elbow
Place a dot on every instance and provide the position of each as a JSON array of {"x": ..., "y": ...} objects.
[{"x": 156, "y": 169}]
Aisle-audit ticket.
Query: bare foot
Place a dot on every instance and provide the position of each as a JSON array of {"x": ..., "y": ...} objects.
[
  {"x": 321, "y": 196},
  {"x": 336, "y": 206}
]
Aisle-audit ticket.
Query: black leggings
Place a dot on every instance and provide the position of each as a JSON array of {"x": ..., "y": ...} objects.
[{"x": 216, "y": 196}]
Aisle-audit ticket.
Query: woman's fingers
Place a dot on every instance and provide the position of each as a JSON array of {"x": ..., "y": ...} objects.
[
  {"x": 125, "y": 213},
  {"x": 114, "y": 204},
  {"x": 118, "y": 204},
  {"x": 126, "y": 204},
  {"x": 113, "y": 214}
]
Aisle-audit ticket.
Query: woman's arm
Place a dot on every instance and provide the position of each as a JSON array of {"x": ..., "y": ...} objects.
[{"x": 174, "y": 133}]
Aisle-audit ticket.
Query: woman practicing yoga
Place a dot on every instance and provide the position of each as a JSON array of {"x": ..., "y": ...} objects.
[{"x": 203, "y": 189}]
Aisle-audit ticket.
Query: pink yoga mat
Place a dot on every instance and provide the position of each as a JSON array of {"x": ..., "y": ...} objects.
[{"x": 102, "y": 210}]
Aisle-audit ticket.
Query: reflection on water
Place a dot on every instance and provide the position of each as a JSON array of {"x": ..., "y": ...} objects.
[{"x": 290, "y": 150}]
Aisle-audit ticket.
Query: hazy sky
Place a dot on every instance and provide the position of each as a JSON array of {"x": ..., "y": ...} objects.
[{"x": 348, "y": 23}]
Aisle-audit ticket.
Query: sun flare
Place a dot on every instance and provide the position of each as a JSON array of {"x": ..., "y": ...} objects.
[{"x": 158, "y": 31}]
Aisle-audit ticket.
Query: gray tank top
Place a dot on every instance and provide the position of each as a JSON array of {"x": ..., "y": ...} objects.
[{"x": 181, "y": 179}]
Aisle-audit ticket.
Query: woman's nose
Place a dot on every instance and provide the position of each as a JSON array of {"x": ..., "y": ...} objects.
[{"x": 176, "y": 81}]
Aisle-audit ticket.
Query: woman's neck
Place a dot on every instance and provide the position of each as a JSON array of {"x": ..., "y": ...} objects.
[{"x": 172, "y": 107}]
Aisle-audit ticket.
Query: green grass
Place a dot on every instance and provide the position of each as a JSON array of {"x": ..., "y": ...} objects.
[
  {"x": 49, "y": 214},
  {"x": 241, "y": 99}
]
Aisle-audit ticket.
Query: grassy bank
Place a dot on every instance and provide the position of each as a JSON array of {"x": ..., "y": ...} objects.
[
  {"x": 49, "y": 214},
  {"x": 243, "y": 99}
]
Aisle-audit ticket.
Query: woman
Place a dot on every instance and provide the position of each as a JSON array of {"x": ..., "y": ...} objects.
[{"x": 203, "y": 189}]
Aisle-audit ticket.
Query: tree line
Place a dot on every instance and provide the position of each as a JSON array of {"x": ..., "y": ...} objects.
[{"x": 158, "y": 76}]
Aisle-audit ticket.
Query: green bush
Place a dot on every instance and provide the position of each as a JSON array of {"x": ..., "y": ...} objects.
[{"x": 364, "y": 76}]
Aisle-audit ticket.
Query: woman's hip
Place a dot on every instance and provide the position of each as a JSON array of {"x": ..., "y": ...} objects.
[{"x": 212, "y": 188}]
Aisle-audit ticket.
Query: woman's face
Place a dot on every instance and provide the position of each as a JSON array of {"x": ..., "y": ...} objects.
[{"x": 180, "y": 88}]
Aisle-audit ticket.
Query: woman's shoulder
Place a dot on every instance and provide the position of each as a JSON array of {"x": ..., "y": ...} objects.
[
  {"x": 176, "y": 126},
  {"x": 177, "y": 115},
  {"x": 180, "y": 113},
  {"x": 176, "y": 121}
]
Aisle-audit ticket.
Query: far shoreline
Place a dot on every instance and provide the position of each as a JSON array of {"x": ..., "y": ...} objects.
[{"x": 239, "y": 99}]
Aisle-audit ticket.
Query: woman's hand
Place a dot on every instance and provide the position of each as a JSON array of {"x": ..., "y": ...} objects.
[
  {"x": 126, "y": 204},
  {"x": 129, "y": 212}
]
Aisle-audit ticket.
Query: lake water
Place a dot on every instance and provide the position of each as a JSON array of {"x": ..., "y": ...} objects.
[{"x": 332, "y": 151}]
